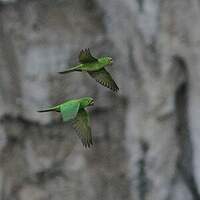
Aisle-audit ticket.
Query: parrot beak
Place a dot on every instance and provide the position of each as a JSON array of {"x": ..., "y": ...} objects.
[
  {"x": 111, "y": 61},
  {"x": 92, "y": 103}
]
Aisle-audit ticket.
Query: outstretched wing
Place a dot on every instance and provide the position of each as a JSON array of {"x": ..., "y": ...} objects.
[
  {"x": 86, "y": 57},
  {"x": 69, "y": 110},
  {"x": 82, "y": 126},
  {"x": 105, "y": 79}
]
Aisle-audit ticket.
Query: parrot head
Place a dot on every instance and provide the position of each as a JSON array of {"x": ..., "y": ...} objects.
[
  {"x": 106, "y": 60},
  {"x": 87, "y": 101}
]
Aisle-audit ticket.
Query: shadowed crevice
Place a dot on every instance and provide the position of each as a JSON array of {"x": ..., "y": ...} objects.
[
  {"x": 185, "y": 161},
  {"x": 142, "y": 177},
  {"x": 141, "y": 5},
  {"x": 134, "y": 67}
]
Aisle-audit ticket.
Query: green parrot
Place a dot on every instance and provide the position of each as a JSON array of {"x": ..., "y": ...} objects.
[
  {"x": 95, "y": 68},
  {"x": 75, "y": 110}
]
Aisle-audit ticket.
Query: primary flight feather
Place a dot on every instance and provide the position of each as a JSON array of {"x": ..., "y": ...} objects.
[
  {"x": 75, "y": 110},
  {"x": 95, "y": 68}
]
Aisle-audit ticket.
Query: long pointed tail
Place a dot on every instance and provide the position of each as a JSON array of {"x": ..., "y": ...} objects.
[
  {"x": 47, "y": 110},
  {"x": 70, "y": 70}
]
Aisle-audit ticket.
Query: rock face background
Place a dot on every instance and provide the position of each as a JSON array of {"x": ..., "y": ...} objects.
[{"x": 147, "y": 140}]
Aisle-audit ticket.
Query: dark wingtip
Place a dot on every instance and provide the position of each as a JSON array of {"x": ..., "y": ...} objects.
[
  {"x": 88, "y": 145},
  {"x": 86, "y": 50},
  {"x": 116, "y": 89}
]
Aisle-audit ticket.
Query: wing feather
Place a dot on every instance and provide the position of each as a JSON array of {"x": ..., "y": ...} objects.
[
  {"x": 82, "y": 126},
  {"x": 86, "y": 57},
  {"x": 105, "y": 79}
]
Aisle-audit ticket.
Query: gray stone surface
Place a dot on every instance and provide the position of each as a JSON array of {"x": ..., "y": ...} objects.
[{"x": 146, "y": 136}]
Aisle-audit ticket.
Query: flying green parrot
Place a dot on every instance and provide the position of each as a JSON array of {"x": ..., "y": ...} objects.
[
  {"x": 95, "y": 68},
  {"x": 75, "y": 110}
]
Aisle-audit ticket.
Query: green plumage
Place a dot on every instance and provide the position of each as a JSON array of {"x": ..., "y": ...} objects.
[
  {"x": 95, "y": 68},
  {"x": 75, "y": 110}
]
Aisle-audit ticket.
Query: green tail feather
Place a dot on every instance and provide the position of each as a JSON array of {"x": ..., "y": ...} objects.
[
  {"x": 70, "y": 70},
  {"x": 47, "y": 110}
]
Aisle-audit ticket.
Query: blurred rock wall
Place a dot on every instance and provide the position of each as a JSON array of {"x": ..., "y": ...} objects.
[{"x": 146, "y": 136}]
